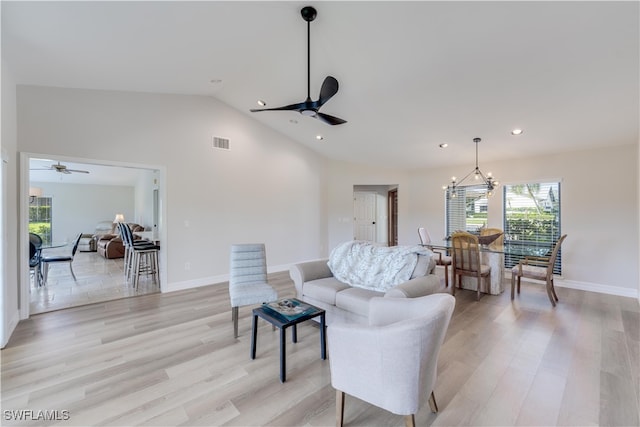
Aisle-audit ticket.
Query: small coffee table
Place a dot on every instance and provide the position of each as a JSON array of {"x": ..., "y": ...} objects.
[{"x": 283, "y": 323}]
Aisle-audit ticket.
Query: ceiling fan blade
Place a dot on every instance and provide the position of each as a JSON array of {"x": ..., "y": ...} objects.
[
  {"x": 76, "y": 170},
  {"x": 328, "y": 89},
  {"x": 330, "y": 120},
  {"x": 292, "y": 107}
]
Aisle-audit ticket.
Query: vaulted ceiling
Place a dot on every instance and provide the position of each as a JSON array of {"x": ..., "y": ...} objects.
[{"x": 412, "y": 75}]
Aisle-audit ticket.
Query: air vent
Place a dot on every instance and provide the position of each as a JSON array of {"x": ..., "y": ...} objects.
[{"x": 222, "y": 143}]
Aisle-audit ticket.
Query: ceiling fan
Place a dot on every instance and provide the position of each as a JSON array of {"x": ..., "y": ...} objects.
[
  {"x": 60, "y": 168},
  {"x": 329, "y": 87}
]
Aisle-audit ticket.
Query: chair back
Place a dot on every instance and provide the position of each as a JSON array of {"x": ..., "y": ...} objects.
[
  {"x": 248, "y": 264},
  {"x": 399, "y": 368},
  {"x": 75, "y": 245},
  {"x": 554, "y": 255},
  {"x": 466, "y": 252},
  {"x": 36, "y": 240},
  {"x": 425, "y": 238}
]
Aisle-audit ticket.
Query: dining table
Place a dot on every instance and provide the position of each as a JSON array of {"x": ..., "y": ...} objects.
[{"x": 494, "y": 255}]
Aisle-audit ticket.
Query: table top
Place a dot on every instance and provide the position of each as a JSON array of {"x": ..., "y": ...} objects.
[
  {"x": 281, "y": 321},
  {"x": 510, "y": 247}
]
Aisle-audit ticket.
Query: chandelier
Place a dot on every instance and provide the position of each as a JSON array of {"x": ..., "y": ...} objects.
[{"x": 488, "y": 180}]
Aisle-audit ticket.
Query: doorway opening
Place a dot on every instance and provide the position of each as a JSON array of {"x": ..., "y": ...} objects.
[
  {"x": 375, "y": 213},
  {"x": 87, "y": 201}
]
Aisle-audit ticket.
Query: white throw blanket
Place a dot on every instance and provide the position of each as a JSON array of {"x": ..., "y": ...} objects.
[{"x": 366, "y": 265}]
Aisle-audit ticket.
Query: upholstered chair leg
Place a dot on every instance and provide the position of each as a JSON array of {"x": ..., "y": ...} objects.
[
  {"x": 518, "y": 284},
  {"x": 432, "y": 403},
  {"x": 513, "y": 285},
  {"x": 410, "y": 420},
  {"x": 234, "y": 316},
  {"x": 339, "y": 408}
]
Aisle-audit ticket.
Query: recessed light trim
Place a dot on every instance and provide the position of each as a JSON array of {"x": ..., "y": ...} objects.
[
  {"x": 262, "y": 103},
  {"x": 443, "y": 145},
  {"x": 319, "y": 137},
  {"x": 517, "y": 132}
]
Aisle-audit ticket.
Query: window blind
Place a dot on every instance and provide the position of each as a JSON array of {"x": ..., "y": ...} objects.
[
  {"x": 467, "y": 211},
  {"x": 531, "y": 213}
]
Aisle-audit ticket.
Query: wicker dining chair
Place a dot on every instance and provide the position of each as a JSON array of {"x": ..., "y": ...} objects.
[{"x": 466, "y": 260}]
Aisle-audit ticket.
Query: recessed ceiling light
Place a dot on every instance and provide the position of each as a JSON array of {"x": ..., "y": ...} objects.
[
  {"x": 216, "y": 81},
  {"x": 319, "y": 137},
  {"x": 294, "y": 121},
  {"x": 443, "y": 145},
  {"x": 261, "y": 103},
  {"x": 517, "y": 132}
]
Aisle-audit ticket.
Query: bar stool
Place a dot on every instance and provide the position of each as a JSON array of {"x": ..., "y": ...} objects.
[{"x": 141, "y": 257}]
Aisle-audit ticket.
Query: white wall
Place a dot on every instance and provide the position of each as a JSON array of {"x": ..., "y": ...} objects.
[
  {"x": 599, "y": 211},
  {"x": 266, "y": 188},
  {"x": 9, "y": 296},
  {"x": 77, "y": 208}
]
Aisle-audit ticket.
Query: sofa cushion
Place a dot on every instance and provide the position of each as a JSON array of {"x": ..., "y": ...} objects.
[
  {"x": 356, "y": 300},
  {"x": 324, "y": 290}
]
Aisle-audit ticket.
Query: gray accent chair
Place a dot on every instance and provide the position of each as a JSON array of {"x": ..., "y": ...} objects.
[
  {"x": 398, "y": 369},
  {"x": 248, "y": 279}
]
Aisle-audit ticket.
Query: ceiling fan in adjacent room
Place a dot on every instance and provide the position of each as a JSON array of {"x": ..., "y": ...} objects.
[
  {"x": 60, "y": 168},
  {"x": 329, "y": 87}
]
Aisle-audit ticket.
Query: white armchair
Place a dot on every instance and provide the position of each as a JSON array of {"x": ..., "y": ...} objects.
[{"x": 392, "y": 362}]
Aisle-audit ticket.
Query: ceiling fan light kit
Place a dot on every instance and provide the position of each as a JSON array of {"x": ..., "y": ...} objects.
[{"x": 329, "y": 87}]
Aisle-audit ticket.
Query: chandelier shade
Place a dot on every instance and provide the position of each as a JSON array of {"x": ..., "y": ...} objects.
[{"x": 487, "y": 180}]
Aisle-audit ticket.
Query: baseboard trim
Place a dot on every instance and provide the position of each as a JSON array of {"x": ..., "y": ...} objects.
[
  {"x": 10, "y": 327},
  {"x": 596, "y": 287}
]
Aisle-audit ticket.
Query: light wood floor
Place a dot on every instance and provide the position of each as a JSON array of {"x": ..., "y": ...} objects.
[{"x": 170, "y": 359}]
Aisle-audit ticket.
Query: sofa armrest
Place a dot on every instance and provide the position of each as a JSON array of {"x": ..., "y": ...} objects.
[
  {"x": 307, "y": 271},
  {"x": 417, "y": 287}
]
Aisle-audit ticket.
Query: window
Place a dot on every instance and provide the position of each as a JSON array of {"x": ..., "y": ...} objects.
[
  {"x": 467, "y": 211},
  {"x": 40, "y": 218},
  {"x": 532, "y": 217}
]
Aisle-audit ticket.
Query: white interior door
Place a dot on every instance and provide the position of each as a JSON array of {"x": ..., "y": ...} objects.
[{"x": 364, "y": 215}]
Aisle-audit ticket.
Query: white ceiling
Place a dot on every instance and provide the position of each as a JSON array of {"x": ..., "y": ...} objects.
[{"x": 412, "y": 74}]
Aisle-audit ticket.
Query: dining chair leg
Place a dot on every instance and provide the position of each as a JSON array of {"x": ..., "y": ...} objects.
[
  {"x": 550, "y": 294},
  {"x": 513, "y": 285},
  {"x": 553, "y": 289},
  {"x": 72, "y": 273},
  {"x": 446, "y": 276},
  {"x": 339, "y": 408}
]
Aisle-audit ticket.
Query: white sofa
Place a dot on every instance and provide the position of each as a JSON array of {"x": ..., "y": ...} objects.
[{"x": 316, "y": 284}]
